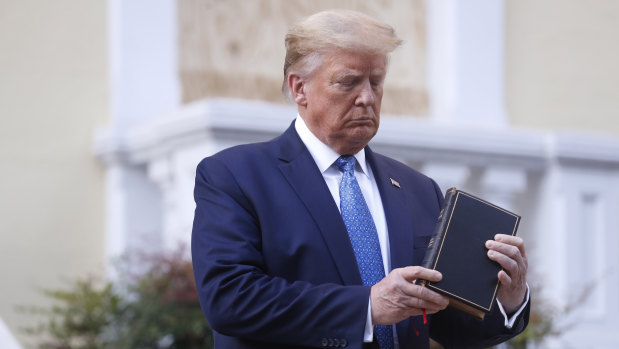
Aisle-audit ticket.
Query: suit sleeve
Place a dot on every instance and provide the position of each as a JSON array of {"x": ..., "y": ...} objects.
[
  {"x": 453, "y": 329},
  {"x": 238, "y": 297}
]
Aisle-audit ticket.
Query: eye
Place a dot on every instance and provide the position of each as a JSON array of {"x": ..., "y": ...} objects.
[
  {"x": 376, "y": 80},
  {"x": 347, "y": 82},
  {"x": 376, "y": 83}
]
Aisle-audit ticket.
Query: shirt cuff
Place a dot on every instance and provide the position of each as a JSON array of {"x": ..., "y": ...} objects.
[
  {"x": 368, "y": 334},
  {"x": 509, "y": 322}
]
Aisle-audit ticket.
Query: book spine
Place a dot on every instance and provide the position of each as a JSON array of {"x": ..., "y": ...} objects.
[{"x": 429, "y": 260}]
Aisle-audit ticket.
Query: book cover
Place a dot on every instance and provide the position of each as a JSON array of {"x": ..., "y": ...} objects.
[{"x": 457, "y": 250}]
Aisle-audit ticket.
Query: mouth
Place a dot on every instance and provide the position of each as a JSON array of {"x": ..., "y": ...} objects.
[
  {"x": 362, "y": 121},
  {"x": 362, "y": 117}
]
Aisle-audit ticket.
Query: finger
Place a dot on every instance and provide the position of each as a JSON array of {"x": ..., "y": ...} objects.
[
  {"x": 509, "y": 239},
  {"x": 415, "y": 272},
  {"x": 431, "y": 304},
  {"x": 394, "y": 298},
  {"x": 429, "y": 308},
  {"x": 512, "y": 240},
  {"x": 517, "y": 253},
  {"x": 423, "y": 297},
  {"x": 425, "y": 294},
  {"x": 508, "y": 263},
  {"x": 508, "y": 250},
  {"x": 504, "y": 278}
]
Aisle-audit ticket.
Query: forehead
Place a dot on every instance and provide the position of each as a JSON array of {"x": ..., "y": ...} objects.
[{"x": 351, "y": 62}]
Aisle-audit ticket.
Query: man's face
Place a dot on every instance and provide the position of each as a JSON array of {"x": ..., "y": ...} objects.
[{"x": 342, "y": 99}]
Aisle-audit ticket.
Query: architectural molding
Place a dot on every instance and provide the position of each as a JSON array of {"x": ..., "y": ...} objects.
[
  {"x": 584, "y": 149},
  {"x": 244, "y": 121}
]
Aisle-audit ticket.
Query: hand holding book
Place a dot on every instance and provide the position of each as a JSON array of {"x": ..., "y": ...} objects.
[
  {"x": 397, "y": 297},
  {"x": 510, "y": 253}
]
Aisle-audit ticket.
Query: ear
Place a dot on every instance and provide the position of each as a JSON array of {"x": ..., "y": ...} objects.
[{"x": 297, "y": 87}]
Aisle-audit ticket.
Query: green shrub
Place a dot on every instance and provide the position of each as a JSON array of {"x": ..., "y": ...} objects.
[{"x": 157, "y": 308}]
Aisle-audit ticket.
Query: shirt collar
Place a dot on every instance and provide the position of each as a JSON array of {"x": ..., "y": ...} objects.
[{"x": 322, "y": 154}]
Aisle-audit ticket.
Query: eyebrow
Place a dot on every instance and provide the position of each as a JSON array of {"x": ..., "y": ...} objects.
[
  {"x": 378, "y": 73},
  {"x": 355, "y": 74},
  {"x": 347, "y": 74}
]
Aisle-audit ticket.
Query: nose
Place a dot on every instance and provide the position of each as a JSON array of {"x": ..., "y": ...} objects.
[{"x": 366, "y": 96}]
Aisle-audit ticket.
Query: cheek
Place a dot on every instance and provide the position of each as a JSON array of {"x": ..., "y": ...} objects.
[
  {"x": 379, "y": 97},
  {"x": 337, "y": 109}
]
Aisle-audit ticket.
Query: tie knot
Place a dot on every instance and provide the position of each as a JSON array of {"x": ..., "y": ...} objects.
[{"x": 346, "y": 164}]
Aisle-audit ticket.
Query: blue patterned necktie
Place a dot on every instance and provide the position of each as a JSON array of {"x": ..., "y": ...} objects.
[{"x": 363, "y": 236}]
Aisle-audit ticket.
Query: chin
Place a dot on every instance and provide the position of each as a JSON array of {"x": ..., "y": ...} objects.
[
  {"x": 362, "y": 135},
  {"x": 358, "y": 143}
]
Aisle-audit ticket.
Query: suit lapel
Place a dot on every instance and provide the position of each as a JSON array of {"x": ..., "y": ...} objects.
[
  {"x": 397, "y": 212},
  {"x": 300, "y": 170},
  {"x": 401, "y": 231}
]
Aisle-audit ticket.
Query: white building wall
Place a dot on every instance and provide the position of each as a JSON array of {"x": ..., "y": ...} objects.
[
  {"x": 53, "y": 95},
  {"x": 144, "y": 82},
  {"x": 561, "y": 64}
]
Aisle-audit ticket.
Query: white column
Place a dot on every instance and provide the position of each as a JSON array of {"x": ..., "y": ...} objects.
[
  {"x": 162, "y": 171},
  {"x": 144, "y": 83},
  {"x": 143, "y": 48},
  {"x": 466, "y": 61},
  {"x": 133, "y": 212}
]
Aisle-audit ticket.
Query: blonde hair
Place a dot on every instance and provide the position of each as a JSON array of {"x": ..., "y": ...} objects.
[{"x": 325, "y": 31}]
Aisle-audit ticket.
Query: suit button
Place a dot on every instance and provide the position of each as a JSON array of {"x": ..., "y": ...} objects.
[
  {"x": 336, "y": 343},
  {"x": 330, "y": 342},
  {"x": 343, "y": 342},
  {"x": 324, "y": 342}
]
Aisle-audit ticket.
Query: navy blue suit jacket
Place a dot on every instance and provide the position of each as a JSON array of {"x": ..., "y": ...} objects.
[{"x": 273, "y": 263}]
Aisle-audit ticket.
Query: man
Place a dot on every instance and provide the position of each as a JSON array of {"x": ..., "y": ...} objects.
[{"x": 305, "y": 240}]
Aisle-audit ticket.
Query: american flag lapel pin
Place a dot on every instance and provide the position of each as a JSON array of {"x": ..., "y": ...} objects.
[{"x": 394, "y": 183}]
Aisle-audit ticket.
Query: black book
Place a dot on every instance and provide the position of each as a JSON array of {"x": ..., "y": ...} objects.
[{"x": 457, "y": 250}]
